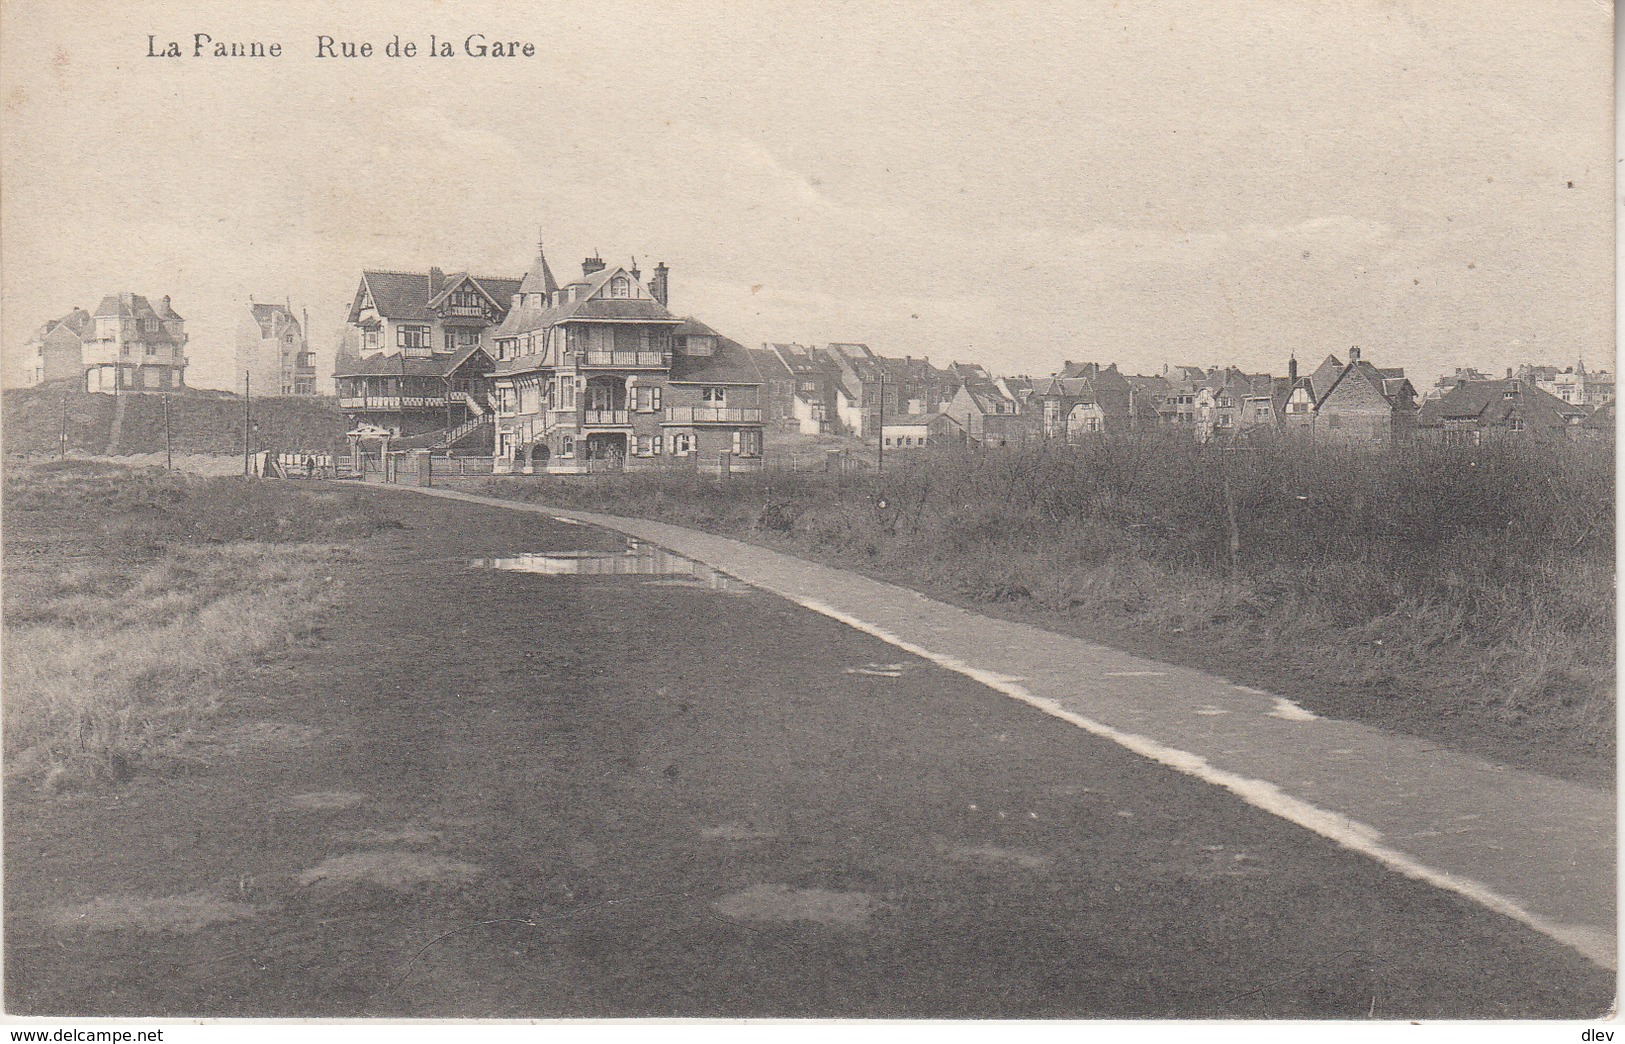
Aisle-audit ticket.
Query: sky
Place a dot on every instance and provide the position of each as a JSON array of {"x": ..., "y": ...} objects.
[{"x": 1192, "y": 183}]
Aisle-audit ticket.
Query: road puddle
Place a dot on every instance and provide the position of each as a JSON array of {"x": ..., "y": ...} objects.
[
  {"x": 880, "y": 670},
  {"x": 181, "y": 913},
  {"x": 736, "y": 832},
  {"x": 397, "y": 871},
  {"x": 327, "y": 800},
  {"x": 997, "y": 856},
  {"x": 638, "y": 559},
  {"x": 782, "y": 903}
]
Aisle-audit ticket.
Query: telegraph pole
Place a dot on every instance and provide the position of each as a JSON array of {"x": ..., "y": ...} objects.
[
  {"x": 62, "y": 449},
  {"x": 880, "y": 434},
  {"x": 247, "y": 470},
  {"x": 169, "y": 449}
]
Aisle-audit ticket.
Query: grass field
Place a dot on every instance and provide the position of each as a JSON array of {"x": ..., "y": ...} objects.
[
  {"x": 132, "y": 596},
  {"x": 1465, "y": 592}
]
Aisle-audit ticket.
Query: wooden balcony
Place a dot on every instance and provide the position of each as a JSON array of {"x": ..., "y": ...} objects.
[
  {"x": 392, "y": 402},
  {"x": 713, "y": 415},
  {"x": 626, "y": 360},
  {"x": 616, "y": 418}
]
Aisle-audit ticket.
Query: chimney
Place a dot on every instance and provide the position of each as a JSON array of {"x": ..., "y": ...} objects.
[
  {"x": 1354, "y": 354},
  {"x": 437, "y": 279},
  {"x": 637, "y": 276},
  {"x": 1509, "y": 373},
  {"x": 592, "y": 264},
  {"x": 657, "y": 283},
  {"x": 1292, "y": 368}
]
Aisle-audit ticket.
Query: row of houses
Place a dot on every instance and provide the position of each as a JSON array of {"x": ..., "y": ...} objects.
[
  {"x": 1351, "y": 399},
  {"x": 591, "y": 373},
  {"x": 597, "y": 372}
]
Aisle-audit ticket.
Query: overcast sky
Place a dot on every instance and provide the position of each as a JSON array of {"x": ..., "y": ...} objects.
[{"x": 1012, "y": 184}]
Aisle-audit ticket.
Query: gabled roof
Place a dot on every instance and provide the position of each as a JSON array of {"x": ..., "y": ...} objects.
[
  {"x": 265, "y": 312},
  {"x": 391, "y": 366},
  {"x": 1602, "y": 418},
  {"x": 394, "y": 365},
  {"x": 125, "y": 306},
  {"x": 75, "y": 323},
  {"x": 582, "y": 304},
  {"x": 1487, "y": 403},
  {"x": 728, "y": 363},
  {"x": 801, "y": 361},
  {"x": 1390, "y": 383},
  {"x": 407, "y": 296},
  {"x": 1061, "y": 387},
  {"x": 986, "y": 395},
  {"x": 488, "y": 288},
  {"x": 769, "y": 364}
]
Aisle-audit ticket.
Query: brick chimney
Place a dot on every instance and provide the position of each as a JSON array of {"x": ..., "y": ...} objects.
[
  {"x": 1354, "y": 354},
  {"x": 637, "y": 277},
  {"x": 437, "y": 279},
  {"x": 592, "y": 264},
  {"x": 1292, "y": 368},
  {"x": 658, "y": 284}
]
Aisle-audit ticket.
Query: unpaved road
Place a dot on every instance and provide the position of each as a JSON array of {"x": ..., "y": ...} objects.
[{"x": 493, "y": 793}]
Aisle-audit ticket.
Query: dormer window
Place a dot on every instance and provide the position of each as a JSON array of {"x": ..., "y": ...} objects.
[
  {"x": 699, "y": 344},
  {"x": 620, "y": 286},
  {"x": 1510, "y": 393}
]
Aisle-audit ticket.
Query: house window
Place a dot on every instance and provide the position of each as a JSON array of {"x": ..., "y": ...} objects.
[
  {"x": 714, "y": 396},
  {"x": 1516, "y": 423},
  {"x": 412, "y": 336},
  {"x": 682, "y": 444},
  {"x": 648, "y": 400},
  {"x": 369, "y": 338},
  {"x": 567, "y": 446},
  {"x": 643, "y": 447},
  {"x": 698, "y": 344},
  {"x": 747, "y": 443},
  {"x": 620, "y": 286}
]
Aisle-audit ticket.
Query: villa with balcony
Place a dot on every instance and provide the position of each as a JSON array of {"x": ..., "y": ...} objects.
[
  {"x": 598, "y": 375},
  {"x": 417, "y": 355},
  {"x": 128, "y": 345}
]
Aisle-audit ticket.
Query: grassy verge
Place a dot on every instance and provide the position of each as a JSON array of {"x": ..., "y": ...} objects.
[
  {"x": 133, "y": 597},
  {"x": 1465, "y": 593}
]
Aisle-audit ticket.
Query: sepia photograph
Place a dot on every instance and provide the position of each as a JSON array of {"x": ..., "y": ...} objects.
[{"x": 782, "y": 510}]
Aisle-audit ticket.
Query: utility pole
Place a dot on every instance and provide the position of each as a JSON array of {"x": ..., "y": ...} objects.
[
  {"x": 169, "y": 449},
  {"x": 880, "y": 434},
  {"x": 62, "y": 449},
  {"x": 247, "y": 469}
]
